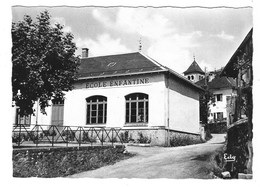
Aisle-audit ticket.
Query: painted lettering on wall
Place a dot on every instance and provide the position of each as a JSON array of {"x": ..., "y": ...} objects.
[{"x": 113, "y": 83}]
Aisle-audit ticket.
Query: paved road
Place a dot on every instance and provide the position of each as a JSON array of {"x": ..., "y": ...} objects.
[{"x": 162, "y": 162}]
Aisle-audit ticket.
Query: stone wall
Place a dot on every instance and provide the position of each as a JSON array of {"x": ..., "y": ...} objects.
[
  {"x": 154, "y": 136},
  {"x": 159, "y": 137},
  {"x": 182, "y": 139}
]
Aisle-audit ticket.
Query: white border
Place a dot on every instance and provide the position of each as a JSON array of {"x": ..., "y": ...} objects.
[{"x": 5, "y": 77}]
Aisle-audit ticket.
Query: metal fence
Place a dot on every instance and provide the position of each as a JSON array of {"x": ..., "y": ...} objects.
[{"x": 64, "y": 135}]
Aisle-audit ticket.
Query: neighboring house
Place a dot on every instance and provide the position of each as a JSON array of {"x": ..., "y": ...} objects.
[
  {"x": 221, "y": 87},
  {"x": 240, "y": 68},
  {"x": 130, "y": 91},
  {"x": 194, "y": 73},
  {"x": 240, "y": 109}
]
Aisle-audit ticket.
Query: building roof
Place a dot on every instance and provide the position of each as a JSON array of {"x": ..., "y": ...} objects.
[
  {"x": 194, "y": 68},
  {"x": 218, "y": 83},
  {"x": 229, "y": 69},
  {"x": 115, "y": 65},
  {"x": 124, "y": 64}
]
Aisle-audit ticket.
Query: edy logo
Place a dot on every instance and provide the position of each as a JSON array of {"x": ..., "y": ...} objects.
[{"x": 229, "y": 157}]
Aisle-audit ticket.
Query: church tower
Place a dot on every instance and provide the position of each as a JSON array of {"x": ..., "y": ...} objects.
[{"x": 194, "y": 73}]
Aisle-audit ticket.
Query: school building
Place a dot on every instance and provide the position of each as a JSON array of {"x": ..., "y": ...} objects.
[{"x": 130, "y": 91}]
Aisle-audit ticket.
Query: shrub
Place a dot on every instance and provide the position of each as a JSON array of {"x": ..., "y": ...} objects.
[
  {"x": 50, "y": 132},
  {"x": 87, "y": 138},
  {"x": 24, "y": 136},
  {"x": 69, "y": 135},
  {"x": 16, "y": 138},
  {"x": 131, "y": 138},
  {"x": 143, "y": 139},
  {"x": 124, "y": 136},
  {"x": 208, "y": 135},
  {"x": 182, "y": 140},
  {"x": 218, "y": 127},
  {"x": 217, "y": 162},
  {"x": 114, "y": 139}
]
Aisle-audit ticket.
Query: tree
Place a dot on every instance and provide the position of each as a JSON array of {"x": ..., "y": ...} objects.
[
  {"x": 44, "y": 64},
  {"x": 206, "y": 98}
]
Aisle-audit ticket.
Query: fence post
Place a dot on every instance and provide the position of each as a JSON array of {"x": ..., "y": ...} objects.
[
  {"x": 19, "y": 136},
  {"x": 37, "y": 135},
  {"x": 52, "y": 142},
  {"x": 112, "y": 138},
  {"x": 79, "y": 136},
  {"x": 91, "y": 140},
  {"x": 102, "y": 138},
  {"x": 67, "y": 138}
]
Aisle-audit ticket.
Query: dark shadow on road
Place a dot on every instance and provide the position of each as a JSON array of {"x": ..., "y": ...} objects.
[
  {"x": 218, "y": 143},
  {"x": 202, "y": 157}
]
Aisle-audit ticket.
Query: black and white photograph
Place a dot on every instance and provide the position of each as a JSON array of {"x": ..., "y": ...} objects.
[{"x": 145, "y": 91}]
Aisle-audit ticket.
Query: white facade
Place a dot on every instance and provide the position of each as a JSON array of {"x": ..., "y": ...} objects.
[
  {"x": 219, "y": 107},
  {"x": 166, "y": 106},
  {"x": 175, "y": 108},
  {"x": 75, "y": 102},
  {"x": 183, "y": 107}
]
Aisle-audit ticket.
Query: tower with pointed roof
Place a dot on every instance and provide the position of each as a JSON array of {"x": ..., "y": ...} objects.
[{"x": 194, "y": 73}]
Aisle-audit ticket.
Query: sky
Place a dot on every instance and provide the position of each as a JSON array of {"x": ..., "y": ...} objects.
[{"x": 172, "y": 36}]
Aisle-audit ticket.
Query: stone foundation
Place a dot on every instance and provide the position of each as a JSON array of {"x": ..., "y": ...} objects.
[{"x": 158, "y": 136}]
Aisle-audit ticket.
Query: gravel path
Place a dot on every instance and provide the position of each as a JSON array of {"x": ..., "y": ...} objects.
[{"x": 162, "y": 162}]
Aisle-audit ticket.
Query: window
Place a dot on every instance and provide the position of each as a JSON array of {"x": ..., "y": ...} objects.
[
  {"x": 137, "y": 108},
  {"x": 23, "y": 120},
  {"x": 218, "y": 116},
  {"x": 189, "y": 77},
  {"x": 192, "y": 77},
  {"x": 219, "y": 97},
  {"x": 96, "y": 110}
]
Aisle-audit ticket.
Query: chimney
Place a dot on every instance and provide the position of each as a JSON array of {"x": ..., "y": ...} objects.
[{"x": 84, "y": 52}]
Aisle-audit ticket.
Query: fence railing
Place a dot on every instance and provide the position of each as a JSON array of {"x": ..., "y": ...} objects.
[{"x": 57, "y": 135}]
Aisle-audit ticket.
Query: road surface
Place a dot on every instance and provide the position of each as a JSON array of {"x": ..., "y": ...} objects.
[{"x": 162, "y": 162}]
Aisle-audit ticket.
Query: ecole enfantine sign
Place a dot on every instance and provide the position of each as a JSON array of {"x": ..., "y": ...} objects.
[{"x": 112, "y": 83}]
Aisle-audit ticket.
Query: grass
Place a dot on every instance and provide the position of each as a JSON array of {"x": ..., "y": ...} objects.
[
  {"x": 217, "y": 163},
  {"x": 182, "y": 140},
  {"x": 49, "y": 164}
]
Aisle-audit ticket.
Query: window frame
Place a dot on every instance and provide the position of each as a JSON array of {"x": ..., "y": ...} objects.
[
  {"x": 141, "y": 110},
  {"x": 93, "y": 106},
  {"x": 220, "y": 97},
  {"x": 220, "y": 116},
  {"x": 23, "y": 120}
]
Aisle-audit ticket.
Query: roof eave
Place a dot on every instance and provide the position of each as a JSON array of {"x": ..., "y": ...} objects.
[
  {"x": 120, "y": 75},
  {"x": 184, "y": 79},
  {"x": 228, "y": 69}
]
